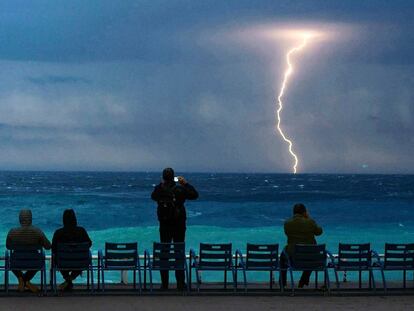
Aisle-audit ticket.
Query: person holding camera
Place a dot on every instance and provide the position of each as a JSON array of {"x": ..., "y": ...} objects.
[
  {"x": 300, "y": 229},
  {"x": 171, "y": 195}
]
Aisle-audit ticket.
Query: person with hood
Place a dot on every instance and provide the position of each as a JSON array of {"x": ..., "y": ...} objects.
[
  {"x": 30, "y": 236},
  {"x": 171, "y": 213},
  {"x": 69, "y": 233}
]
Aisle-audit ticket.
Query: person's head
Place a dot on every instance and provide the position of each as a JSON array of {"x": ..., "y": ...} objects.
[
  {"x": 168, "y": 174},
  {"x": 69, "y": 218},
  {"x": 299, "y": 209},
  {"x": 25, "y": 217}
]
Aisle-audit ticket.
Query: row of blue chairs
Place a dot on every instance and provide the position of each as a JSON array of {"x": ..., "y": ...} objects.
[{"x": 212, "y": 257}]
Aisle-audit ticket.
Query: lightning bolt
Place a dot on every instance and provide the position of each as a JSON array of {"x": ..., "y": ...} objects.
[{"x": 286, "y": 76}]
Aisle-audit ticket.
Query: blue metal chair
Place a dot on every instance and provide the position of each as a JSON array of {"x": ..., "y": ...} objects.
[
  {"x": 308, "y": 258},
  {"x": 355, "y": 257},
  {"x": 70, "y": 257},
  {"x": 213, "y": 257},
  {"x": 26, "y": 258},
  {"x": 120, "y": 257},
  {"x": 259, "y": 257},
  {"x": 165, "y": 257},
  {"x": 397, "y": 257}
]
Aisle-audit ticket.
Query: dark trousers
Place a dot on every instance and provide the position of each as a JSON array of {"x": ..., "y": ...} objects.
[
  {"x": 25, "y": 276},
  {"x": 69, "y": 276},
  {"x": 304, "y": 279},
  {"x": 168, "y": 235}
]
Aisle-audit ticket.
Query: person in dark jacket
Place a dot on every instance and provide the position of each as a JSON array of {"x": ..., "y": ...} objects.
[
  {"x": 30, "y": 236},
  {"x": 172, "y": 228},
  {"x": 70, "y": 233},
  {"x": 300, "y": 229}
]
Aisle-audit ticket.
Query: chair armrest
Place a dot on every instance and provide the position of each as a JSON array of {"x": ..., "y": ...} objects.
[
  {"x": 378, "y": 262},
  {"x": 239, "y": 259},
  {"x": 193, "y": 258},
  {"x": 331, "y": 259}
]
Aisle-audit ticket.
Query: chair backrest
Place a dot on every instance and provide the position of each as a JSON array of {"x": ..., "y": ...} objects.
[
  {"x": 399, "y": 256},
  {"x": 168, "y": 256},
  {"x": 26, "y": 258},
  {"x": 309, "y": 257},
  {"x": 354, "y": 256},
  {"x": 121, "y": 255},
  {"x": 262, "y": 256},
  {"x": 73, "y": 256},
  {"x": 215, "y": 256}
]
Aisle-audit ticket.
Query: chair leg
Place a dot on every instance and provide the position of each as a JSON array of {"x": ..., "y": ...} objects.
[
  {"x": 383, "y": 281},
  {"x": 41, "y": 281},
  {"x": 54, "y": 281},
  {"x": 405, "y": 279},
  {"x": 234, "y": 273},
  {"x": 92, "y": 281},
  {"x": 135, "y": 278},
  {"x": 198, "y": 280},
  {"x": 336, "y": 278},
  {"x": 360, "y": 279},
  {"x": 87, "y": 279},
  {"x": 98, "y": 272},
  {"x": 245, "y": 280},
  {"x": 103, "y": 279},
  {"x": 316, "y": 279},
  {"x": 292, "y": 283},
  {"x": 139, "y": 280},
  {"x": 373, "y": 280},
  {"x": 271, "y": 280},
  {"x": 327, "y": 281},
  {"x": 6, "y": 280},
  {"x": 225, "y": 279},
  {"x": 189, "y": 277},
  {"x": 150, "y": 277}
]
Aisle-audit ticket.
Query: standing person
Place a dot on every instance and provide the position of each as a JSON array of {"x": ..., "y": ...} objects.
[
  {"x": 172, "y": 217},
  {"x": 300, "y": 229},
  {"x": 69, "y": 233},
  {"x": 30, "y": 236}
]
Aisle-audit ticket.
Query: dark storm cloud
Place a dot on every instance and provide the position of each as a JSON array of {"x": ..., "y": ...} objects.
[{"x": 138, "y": 85}]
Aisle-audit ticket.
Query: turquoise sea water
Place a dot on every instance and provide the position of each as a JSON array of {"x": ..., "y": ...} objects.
[{"x": 237, "y": 208}]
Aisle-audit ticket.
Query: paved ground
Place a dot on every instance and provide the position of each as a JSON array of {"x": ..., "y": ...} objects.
[{"x": 210, "y": 303}]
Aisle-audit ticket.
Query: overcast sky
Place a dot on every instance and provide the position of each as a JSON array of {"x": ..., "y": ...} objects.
[{"x": 140, "y": 85}]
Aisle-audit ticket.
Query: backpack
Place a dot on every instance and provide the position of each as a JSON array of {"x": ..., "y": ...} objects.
[{"x": 168, "y": 210}]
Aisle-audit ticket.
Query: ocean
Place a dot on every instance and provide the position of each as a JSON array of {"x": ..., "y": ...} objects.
[{"x": 236, "y": 208}]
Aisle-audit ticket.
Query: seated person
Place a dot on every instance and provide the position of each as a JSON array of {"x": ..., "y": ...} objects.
[
  {"x": 300, "y": 229},
  {"x": 26, "y": 235},
  {"x": 69, "y": 233}
]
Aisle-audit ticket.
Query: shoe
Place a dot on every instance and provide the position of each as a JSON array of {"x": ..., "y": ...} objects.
[
  {"x": 31, "y": 287},
  {"x": 20, "y": 287},
  {"x": 66, "y": 286},
  {"x": 163, "y": 288},
  {"x": 182, "y": 287}
]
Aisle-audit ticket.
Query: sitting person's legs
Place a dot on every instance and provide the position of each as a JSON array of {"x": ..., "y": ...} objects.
[
  {"x": 20, "y": 278},
  {"x": 69, "y": 276}
]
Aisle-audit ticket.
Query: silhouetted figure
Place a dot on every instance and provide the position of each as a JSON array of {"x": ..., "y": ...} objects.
[
  {"x": 70, "y": 233},
  {"x": 30, "y": 236},
  {"x": 172, "y": 217},
  {"x": 300, "y": 229}
]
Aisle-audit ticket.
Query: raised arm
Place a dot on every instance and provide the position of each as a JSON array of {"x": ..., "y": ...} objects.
[
  {"x": 317, "y": 229},
  {"x": 191, "y": 192}
]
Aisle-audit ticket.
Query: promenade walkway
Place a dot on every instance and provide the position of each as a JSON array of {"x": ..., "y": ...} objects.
[{"x": 177, "y": 303}]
